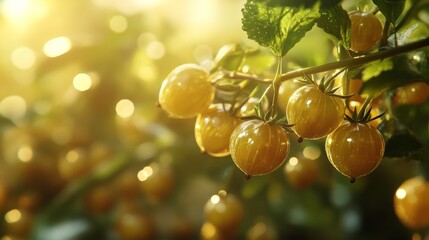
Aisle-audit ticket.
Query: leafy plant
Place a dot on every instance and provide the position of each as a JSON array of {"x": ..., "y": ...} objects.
[{"x": 372, "y": 43}]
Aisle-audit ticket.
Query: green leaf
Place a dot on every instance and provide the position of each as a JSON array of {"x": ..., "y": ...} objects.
[
  {"x": 401, "y": 145},
  {"x": 276, "y": 27},
  {"x": 374, "y": 69},
  {"x": 304, "y": 3},
  {"x": 419, "y": 64},
  {"x": 229, "y": 57},
  {"x": 391, "y": 9},
  {"x": 233, "y": 57},
  {"x": 335, "y": 21},
  {"x": 259, "y": 61},
  {"x": 400, "y": 142},
  {"x": 402, "y": 37},
  {"x": 386, "y": 81},
  {"x": 254, "y": 187},
  {"x": 403, "y": 72}
]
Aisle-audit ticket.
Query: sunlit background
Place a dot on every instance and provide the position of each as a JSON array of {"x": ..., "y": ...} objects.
[
  {"x": 79, "y": 82},
  {"x": 87, "y": 154}
]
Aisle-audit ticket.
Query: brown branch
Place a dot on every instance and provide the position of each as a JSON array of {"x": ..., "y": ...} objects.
[{"x": 352, "y": 62}]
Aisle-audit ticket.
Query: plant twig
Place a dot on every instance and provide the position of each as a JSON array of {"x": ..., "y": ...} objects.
[
  {"x": 352, "y": 62},
  {"x": 345, "y": 63}
]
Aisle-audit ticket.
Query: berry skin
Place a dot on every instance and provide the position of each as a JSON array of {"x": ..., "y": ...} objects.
[
  {"x": 414, "y": 93},
  {"x": 314, "y": 113},
  {"x": 355, "y": 149},
  {"x": 366, "y": 30},
  {"x": 224, "y": 211},
  {"x": 186, "y": 91},
  {"x": 258, "y": 147},
  {"x": 411, "y": 202},
  {"x": 213, "y": 130}
]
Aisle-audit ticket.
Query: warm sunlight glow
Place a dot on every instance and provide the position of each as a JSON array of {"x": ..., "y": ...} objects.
[{"x": 23, "y": 11}]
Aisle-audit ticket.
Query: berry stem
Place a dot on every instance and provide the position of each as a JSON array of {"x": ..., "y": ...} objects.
[{"x": 276, "y": 85}]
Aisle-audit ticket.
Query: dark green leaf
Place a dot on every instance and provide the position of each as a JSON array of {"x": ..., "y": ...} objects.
[
  {"x": 254, "y": 187},
  {"x": 375, "y": 68},
  {"x": 402, "y": 37},
  {"x": 422, "y": 156},
  {"x": 415, "y": 117},
  {"x": 388, "y": 80},
  {"x": 419, "y": 64},
  {"x": 402, "y": 73},
  {"x": 304, "y": 3},
  {"x": 276, "y": 27},
  {"x": 259, "y": 61},
  {"x": 391, "y": 9},
  {"x": 262, "y": 24},
  {"x": 229, "y": 57},
  {"x": 335, "y": 21},
  {"x": 232, "y": 57},
  {"x": 401, "y": 145},
  {"x": 71, "y": 226}
]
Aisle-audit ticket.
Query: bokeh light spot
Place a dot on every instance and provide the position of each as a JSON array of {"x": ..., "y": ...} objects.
[
  {"x": 155, "y": 50},
  {"x": 13, "y": 216},
  {"x": 23, "y": 57},
  {"x": 401, "y": 193},
  {"x": 293, "y": 161},
  {"x": 25, "y": 153},
  {"x": 72, "y": 156},
  {"x": 82, "y": 82},
  {"x": 311, "y": 152},
  {"x": 215, "y": 199},
  {"x": 145, "y": 38},
  {"x": 118, "y": 24},
  {"x": 145, "y": 173},
  {"x": 57, "y": 46},
  {"x": 208, "y": 231},
  {"x": 125, "y": 108},
  {"x": 13, "y": 107}
]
